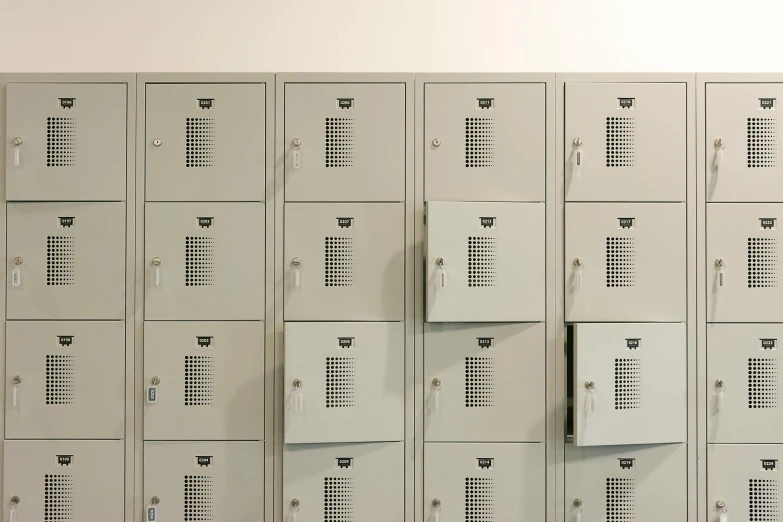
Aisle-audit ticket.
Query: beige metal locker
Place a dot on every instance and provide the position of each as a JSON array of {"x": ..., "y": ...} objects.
[
  {"x": 66, "y": 141},
  {"x": 65, "y": 261},
  {"x": 203, "y": 481},
  {"x": 744, "y": 383},
  {"x": 630, "y": 383},
  {"x": 204, "y": 261},
  {"x": 485, "y": 262},
  {"x": 63, "y": 481},
  {"x": 484, "y": 482},
  {"x": 205, "y": 142},
  {"x": 204, "y": 380},
  {"x": 627, "y": 483},
  {"x": 484, "y": 141},
  {"x": 743, "y": 262},
  {"x": 65, "y": 380},
  {"x": 625, "y": 141},
  {"x": 742, "y": 142},
  {"x": 743, "y": 482},
  {"x": 484, "y": 382},
  {"x": 344, "y": 382},
  {"x": 625, "y": 262},
  {"x": 344, "y": 261},
  {"x": 347, "y": 482},
  {"x": 345, "y": 141}
]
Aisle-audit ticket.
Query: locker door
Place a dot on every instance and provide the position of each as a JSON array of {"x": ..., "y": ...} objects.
[
  {"x": 205, "y": 481},
  {"x": 344, "y": 262},
  {"x": 743, "y": 117},
  {"x": 351, "y": 379},
  {"x": 205, "y": 142},
  {"x": 743, "y": 383},
  {"x": 70, "y": 380},
  {"x": 465, "y": 482},
  {"x": 64, "y": 480},
  {"x": 210, "y": 266},
  {"x": 210, "y": 379},
  {"x": 66, "y": 141},
  {"x": 344, "y": 482},
  {"x": 630, "y": 384},
  {"x": 745, "y": 239},
  {"x": 484, "y": 382},
  {"x": 744, "y": 479},
  {"x": 474, "y": 137},
  {"x": 633, "y": 141},
  {"x": 625, "y": 262},
  {"x": 345, "y": 142},
  {"x": 504, "y": 243},
  {"x": 70, "y": 259}
]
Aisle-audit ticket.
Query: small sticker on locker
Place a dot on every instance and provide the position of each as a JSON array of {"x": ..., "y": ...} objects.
[
  {"x": 65, "y": 460},
  {"x": 485, "y": 342},
  {"x": 488, "y": 222},
  {"x": 768, "y": 344},
  {"x": 768, "y": 223},
  {"x": 633, "y": 344},
  {"x": 152, "y": 514},
  {"x": 204, "y": 341},
  {"x": 485, "y": 103},
  {"x": 65, "y": 340},
  {"x": 485, "y": 463},
  {"x": 345, "y": 103},
  {"x": 626, "y": 103},
  {"x": 66, "y": 221},
  {"x": 67, "y": 103},
  {"x": 626, "y": 222},
  {"x": 152, "y": 394},
  {"x": 626, "y": 463},
  {"x": 206, "y": 103},
  {"x": 767, "y": 103},
  {"x": 344, "y": 462},
  {"x": 204, "y": 461},
  {"x": 345, "y": 342},
  {"x": 206, "y": 222},
  {"x": 344, "y": 222},
  {"x": 769, "y": 464}
]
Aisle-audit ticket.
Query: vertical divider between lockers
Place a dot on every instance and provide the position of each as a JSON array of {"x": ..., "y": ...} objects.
[
  {"x": 419, "y": 305},
  {"x": 279, "y": 279},
  {"x": 701, "y": 301},
  {"x": 3, "y": 248}
]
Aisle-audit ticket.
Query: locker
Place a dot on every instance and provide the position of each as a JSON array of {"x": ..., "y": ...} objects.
[
  {"x": 743, "y": 383},
  {"x": 206, "y": 380},
  {"x": 484, "y": 382},
  {"x": 57, "y": 480},
  {"x": 626, "y": 483},
  {"x": 202, "y": 262},
  {"x": 345, "y": 141},
  {"x": 344, "y": 482},
  {"x": 344, "y": 261},
  {"x": 66, "y": 261},
  {"x": 625, "y": 262},
  {"x": 205, "y": 142},
  {"x": 66, "y": 141},
  {"x": 466, "y": 482},
  {"x": 68, "y": 379},
  {"x": 475, "y": 135},
  {"x": 743, "y": 482},
  {"x": 481, "y": 257},
  {"x": 630, "y": 383},
  {"x": 345, "y": 382},
  {"x": 742, "y": 143},
  {"x": 204, "y": 481},
  {"x": 625, "y": 141},
  {"x": 743, "y": 263}
]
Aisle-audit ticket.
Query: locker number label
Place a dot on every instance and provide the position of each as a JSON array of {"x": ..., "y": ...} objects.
[
  {"x": 767, "y": 103},
  {"x": 204, "y": 341},
  {"x": 204, "y": 461},
  {"x": 485, "y": 342},
  {"x": 64, "y": 460},
  {"x": 626, "y": 222},
  {"x": 65, "y": 340},
  {"x": 488, "y": 222},
  {"x": 206, "y": 222},
  {"x": 768, "y": 344},
  {"x": 626, "y": 463},
  {"x": 626, "y": 103},
  {"x": 344, "y": 222},
  {"x": 66, "y": 221},
  {"x": 633, "y": 344},
  {"x": 769, "y": 464},
  {"x": 345, "y": 342},
  {"x": 67, "y": 103},
  {"x": 152, "y": 514},
  {"x": 768, "y": 223},
  {"x": 344, "y": 463},
  {"x": 485, "y": 103},
  {"x": 485, "y": 463},
  {"x": 345, "y": 103},
  {"x": 206, "y": 103}
]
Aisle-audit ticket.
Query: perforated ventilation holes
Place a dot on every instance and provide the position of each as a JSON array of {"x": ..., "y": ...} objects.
[
  {"x": 338, "y": 499},
  {"x": 627, "y": 384},
  {"x": 479, "y": 500},
  {"x": 199, "y": 498},
  {"x": 762, "y": 383},
  {"x": 338, "y": 261},
  {"x": 479, "y": 142},
  {"x": 199, "y": 261},
  {"x": 479, "y": 382},
  {"x": 199, "y": 380},
  {"x": 482, "y": 261},
  {"x": 339, "y": 142},
  {"x": 60, "y": 261},
  {"x": 620, "y": 142},
  {"x": 620, "y": 500},
  {"x": 340, "y": 382},
  {"x": 58, "y": 498},
  {"x": 763, "y": 500},
  {"x": 199, "y": 142},
  {"x": 762, "y": 262},
  {"x": 762, "y": 142},
  {"x": 60, "y": 142},
  {"x": 620, "y": 262},
  {"x": 59, "y": 379}
]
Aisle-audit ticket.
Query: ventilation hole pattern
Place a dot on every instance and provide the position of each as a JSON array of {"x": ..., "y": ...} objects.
[
  {"x": 762, "y": 142},
  {"x": 479, "y": 382},
  {"x": 340, "y": 382},
  {"x": 59, "y": 379},
  {"x": 60, "y": 261},
  {"x": 58, "y": 498},
  {"x": 762, "y": 262},
  {"x": 199, "y": 261},
  {"x": 199, "y": 380},
  {"x": 479, "y": 499},
  {"x": 620, "y": 262},
  {"x": 60, "y": 142},
  {"x": 627, "y": 384},
  {"x": 479, "y": 142},
  {"x": 339, "y": 142},
  {"x": 482, "y": 261},
  {"x": 338, "y": 261},
  {"x": 199, "y": 142},
  {"x": 763, "y": 497},
  {"x": 762, "y": 383},
  {"x": 338, "y": 499},
  {"x": 620, "y": 142},
  {"x": 620, "y": 500},
  {"x": 199, "y": 498}
]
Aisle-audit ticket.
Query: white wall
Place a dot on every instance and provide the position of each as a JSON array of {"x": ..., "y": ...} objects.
[{"x": 390, "y": 35}]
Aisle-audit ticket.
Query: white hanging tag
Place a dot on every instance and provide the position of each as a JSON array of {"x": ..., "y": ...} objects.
[
  {"x": 297, "y": 280},
  {"x": 724, "y": 516},
  {"x": 437, "y": 398},
  {"x": 152, "y": 514},
  {"x": 718, "y": 157},
  {"x": 297, "y": 158},
  {"x": 15, "y": 394},
  {"x": 721, "y": 269},
  {"x": 719, "y": 400},
  {"x": 12, "y": 515},
  {"x": 579, "y": 277},
  {"x": 17, "y": 157},
  {"x": 298, "y": 399},
  {"x": 436, "y": 515},
  {"x": 442, "y": 277},
  {"x": 152, "y": 394},
  {"x": 578, "y": 517},
  {"x": 16, "y": 277},
  {"x": 577, "y": 160},
  {"x": 157, "y": 276},
  {"x": 592, "y": 400},
  {"x": 295, "y": 514}
]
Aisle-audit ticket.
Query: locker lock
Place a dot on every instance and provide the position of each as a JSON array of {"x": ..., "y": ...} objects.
[
  {"x": 436, "y": 142},
  {"x": 155, "y": 501},
  {"x": 577, "y": 503},
  {"x": 719, "y": 143},
  {"x": 720, "y": 384},
  {"x": 577, "y": 262},
  {"x": 157, "y": 142},
  {"x": 156, "y": 380},
  {"x": 440, "y": 262},
  {"x": 17, "y": 142},
  {"x": 16, "y": 381},
  {"x": 296, "y": 262},
  {"x": 436, "y": 382},
  {"x": 295, "y": 503},
  {"x": 156, "y": 261},
  {"x": 15, "y": 500},
  {"x": 297, "y": 383},
  {"x": 297, "y": 142},
  {"x": 18, "y": 261},
  {"x": 589, "y": 385},
  {"x": 578, "y": 142},
  {"x": 436, "y": 503},
  {"x": 720, "y": 504}
]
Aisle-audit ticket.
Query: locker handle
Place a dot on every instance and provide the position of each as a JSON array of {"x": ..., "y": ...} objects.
[
  {"x": 721, "y": 267},
  {"x": 578, "y": 506},
  {"x": 152, "y": 510},
  {"x": 577, "y": 158},
  {"x": 589, "y": 396},
  {"x": 436, "y": 385},
  {"x": 156, "y": 262},
  {"x": 17, "y": 143},
  {"x": 436, "y": 509},
  {"x": 297, "y": 158},
  {"x": 441, "y": 264},
  {"x": 578, "y": 266},
  {"x": 15, "y": 382},
  {"x": 298, "y": 395},
  {"x": 719, "y": 146},
  {"x": 16, "y": 273},
  {"x": 15, "y": 500},
  {"x": 295, "y": 509},
  {"x": 297, "y": 264},
  {"x": 723, "y": 510},
  {"x": 720, "y": 386}
]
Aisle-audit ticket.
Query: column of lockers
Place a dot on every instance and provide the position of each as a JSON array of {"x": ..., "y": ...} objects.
[
  {"x": 744, "y": 205},
  {"x": 205, "y": 144},
  {"x": 344, "y": 147},
  {"x": 483, "y": 153},
  {"x": 67, "y": 152},
  {"x": 625, "y": 298}
]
